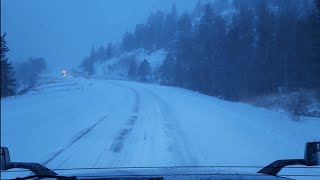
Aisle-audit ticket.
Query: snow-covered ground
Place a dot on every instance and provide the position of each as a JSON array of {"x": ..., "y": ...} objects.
[{"x": 81, "y": 123}]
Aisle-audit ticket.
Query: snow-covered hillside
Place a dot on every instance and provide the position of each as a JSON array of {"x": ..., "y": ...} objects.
[
  {"x": 117, "y": 67},
  {"x": 77, "y": 123}
]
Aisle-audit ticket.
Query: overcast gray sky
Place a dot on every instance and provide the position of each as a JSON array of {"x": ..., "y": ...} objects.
[{"x": 63, "y": 31}]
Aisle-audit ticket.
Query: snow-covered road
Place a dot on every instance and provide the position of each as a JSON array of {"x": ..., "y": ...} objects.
[{"x": 81, "y": 123}]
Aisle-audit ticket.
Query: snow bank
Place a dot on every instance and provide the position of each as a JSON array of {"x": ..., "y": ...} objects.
[{"x": 308, "y": 100}]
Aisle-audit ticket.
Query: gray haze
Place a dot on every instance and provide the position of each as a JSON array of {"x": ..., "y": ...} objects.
[{"x": 63, "y": 31}]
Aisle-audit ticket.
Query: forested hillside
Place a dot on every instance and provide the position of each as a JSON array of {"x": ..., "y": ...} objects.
[{"x": 231, "y": 50}]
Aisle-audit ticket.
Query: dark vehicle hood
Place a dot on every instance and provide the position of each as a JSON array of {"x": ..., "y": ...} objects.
[{"x": 167, "y": 173}]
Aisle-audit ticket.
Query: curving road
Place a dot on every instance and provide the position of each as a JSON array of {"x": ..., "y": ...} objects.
[{"x": 95, "y": 123}]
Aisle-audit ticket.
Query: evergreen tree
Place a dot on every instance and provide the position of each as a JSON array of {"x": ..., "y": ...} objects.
[
  {"x": 7, "y": 80},
  {"x": 209, "y": 34},
  {"x": 265, "y": 43},
  {"x": 284, "y": 41},
  {"x": 233, "y": 42},
  {"x": 144, "y": 70},
  {"x": 156, "y": 31},
  {"x": 198, "y": 10},
  {"x": 315, "y": 51},
  {"x": 243, "y": 73},
  {"x": 167, "y": 70},
  {"x": 87, "y": 66},
  {"x": 133, "y": 70},
  {"x": 183, "y": 50},
  {"x": 170, "y": 27},
  {"x": 93, "y": 53},
  {"x": 141, "y": 36},
  {"x": 109, "y": 51},
  {"x": 28, "y": 73},
  {"x": 128, "y": 43}
]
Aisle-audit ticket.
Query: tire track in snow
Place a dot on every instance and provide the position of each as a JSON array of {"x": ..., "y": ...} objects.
[
  {"x": 179, "y": 145},
  {"x": 123, "y": 134},
  {"x": 75, "y": 140}
]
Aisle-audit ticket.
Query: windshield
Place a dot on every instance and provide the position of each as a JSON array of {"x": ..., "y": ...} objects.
[{"x": 228, "y": 84}]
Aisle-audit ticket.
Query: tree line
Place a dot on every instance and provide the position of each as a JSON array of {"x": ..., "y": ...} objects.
[
  {"x": 97, "y": 55},
  {"x": 18, "y": 78},
  {"x": 142, "y": 72},
  {"x": 27, "y": 74},
  {"x": 157, "y": 33},
  {"x": 232, "y": 50},
  {"x": 7, "y": 80},
  {"x": 264, "y": 47}
]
